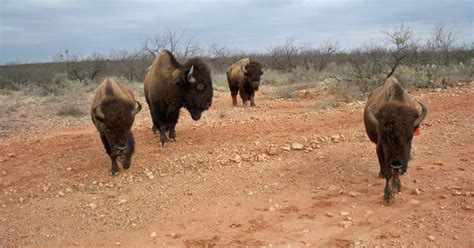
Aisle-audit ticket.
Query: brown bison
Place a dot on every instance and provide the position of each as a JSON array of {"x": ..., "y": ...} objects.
[
  {"x": 391, "y": 120},
  {"x": 113, "y": 112},
  {"x": 244, "y": 78},
  {"x": 170, "y": 86}
]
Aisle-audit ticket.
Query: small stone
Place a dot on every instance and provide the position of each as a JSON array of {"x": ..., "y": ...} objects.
[
  {"x": 415, "y": 202},
  {"x": 68, "y": 190},
  {"x": 237, "y": 158},
  {"x": 272, "y": 151},
  {"x": 328, "y": 214},
  {"x": 287, "y": 147},
  {"x": 297, "y": 146},
  {"x": 92, "y": 205},
  {"x": 336, "y": 137},
  {"x": 121, "y": 202},
  {"x": 4, "y": 173},
  {"x": 345, "y": 223},
  {"x": 153, "y": 235},
  {"x": 3, "y": 159},
  {"x": 118, "y": 243},
  {"x": 271, "y": 209},
  {"x": 21, "y": 200},
  {"x": 344, "y": 213},
  {"x": 353, "y": 194},
  {"x": 11, "y": 155},
  {"x": 431, "y": 237},
  {"x": 444, "y": 196},
  {"x": 455, "y": 237},
  {"x": 60, "y": 193},
  {"x": 68, "y": 168},
  {"x": 415, "y": 191},
  {"x": 438, "y": 163}
]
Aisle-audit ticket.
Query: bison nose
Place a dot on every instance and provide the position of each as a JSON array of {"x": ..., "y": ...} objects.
[
  {"x": 121, "y": 149},
  {"x": 396, "y": 165}
]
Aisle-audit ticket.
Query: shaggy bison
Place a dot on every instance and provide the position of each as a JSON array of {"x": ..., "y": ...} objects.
[
  {"x": 113, "y": 112},
  {"x": 244, "y": 78},
  {"x": 170, "y": 86},
  {"x": 391, "y": 120}
]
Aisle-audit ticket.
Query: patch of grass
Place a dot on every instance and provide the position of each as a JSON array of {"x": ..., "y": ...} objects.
[{"x": 70, "y": 110}]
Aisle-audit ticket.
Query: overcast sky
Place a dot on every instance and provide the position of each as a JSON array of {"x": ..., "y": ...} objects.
[{"x": 36, "y": 30}]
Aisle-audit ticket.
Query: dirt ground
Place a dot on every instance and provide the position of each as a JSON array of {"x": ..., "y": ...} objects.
[{"x": 281, "y": 175}]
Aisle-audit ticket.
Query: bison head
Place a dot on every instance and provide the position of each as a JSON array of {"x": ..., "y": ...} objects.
[
  {"x": 115, "y": 118},
  {"x": 197, "y": 87},
  {"x": 252, "y": 71},
  {"x": 396, "y": 124}
]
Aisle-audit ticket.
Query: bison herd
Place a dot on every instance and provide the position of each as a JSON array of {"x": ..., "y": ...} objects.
[{"x": 391, "y": 117}]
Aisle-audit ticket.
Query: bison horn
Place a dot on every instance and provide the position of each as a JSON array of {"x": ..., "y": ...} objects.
[
  {"x": 242, "y": 68},
  {"x": 424, "y": 112},
  {"x": 372, "y": 118},
  {"x": 191, "y": 79},
  {"x": 98, "y": 113},
  {"x": 137, "y": 108}
]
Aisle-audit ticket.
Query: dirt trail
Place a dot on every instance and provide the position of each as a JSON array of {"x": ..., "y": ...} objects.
[{"x": 233, "y": 179}]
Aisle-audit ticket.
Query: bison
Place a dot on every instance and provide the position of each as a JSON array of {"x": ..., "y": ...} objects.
[
  {"x": 391, "y": 120},
  {"x": 169, "y": 86},
  {"x": 113, "y": 112},
  {"x": 244, "y": 78}
]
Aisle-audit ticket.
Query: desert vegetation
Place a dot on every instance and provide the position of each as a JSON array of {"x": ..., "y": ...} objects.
[{"x": 293, "y": 69}]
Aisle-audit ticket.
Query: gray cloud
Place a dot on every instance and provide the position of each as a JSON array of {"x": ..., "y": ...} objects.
[{"x": 35, "y": 30}]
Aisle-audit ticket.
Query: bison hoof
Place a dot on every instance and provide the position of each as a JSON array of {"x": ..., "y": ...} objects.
[
  {"x": 113, "y": 173},
  {"x": 154, "y": 129}
]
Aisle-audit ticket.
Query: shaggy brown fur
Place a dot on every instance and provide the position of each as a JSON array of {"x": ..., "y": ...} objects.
[
  {"x": 244, "y": 77},
  {"x": 113, "y": 111},
  {"x": 395, "y": 113},
  {"x": 169, "y": 87}
]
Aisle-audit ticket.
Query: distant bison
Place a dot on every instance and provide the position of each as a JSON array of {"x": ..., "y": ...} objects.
[
  {"x": 170, "y": 86},
  {"x": 244, "y": 78},
  {"x": 113, "y": 112},
  {"x": 391, "y": 120}
]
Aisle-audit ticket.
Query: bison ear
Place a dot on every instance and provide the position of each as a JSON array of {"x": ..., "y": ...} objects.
[{"x": 99, "y": 115}]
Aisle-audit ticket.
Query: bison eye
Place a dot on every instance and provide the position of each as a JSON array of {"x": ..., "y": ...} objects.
[{"x": 200, "y": 87}]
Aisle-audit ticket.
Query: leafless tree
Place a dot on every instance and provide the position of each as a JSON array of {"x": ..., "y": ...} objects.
[
  {"x": 402, "y": 42},
  {"x": 283, "y": 56},
  {"x": 327, "y": 49},
  {"x": 190, "y": 47},
  {"x": 443, "y": 40},
  {"x": 97, "y": 65}
]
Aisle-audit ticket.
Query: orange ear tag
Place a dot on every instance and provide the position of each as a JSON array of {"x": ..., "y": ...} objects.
[{"x": 416, "y": 132}]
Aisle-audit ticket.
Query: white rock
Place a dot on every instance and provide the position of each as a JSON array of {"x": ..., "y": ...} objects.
[
  {"x": 415, "y": 191},
  {"x": 431, "y": 237},
  {"x": 297, "y": 146},
  {"x": 153, "y": 235},
  {"x": 60, "y": 193},
  {"x": 92, "y": 205},
  {"x": 344, "y": 213},
  {"x": 237, "y": 158},
  {"x": 415, "y": 202},
  {"x": 123, "y": 201},
  {"x": 345, "y": 223},
  {"x": 21, "y": 200}
]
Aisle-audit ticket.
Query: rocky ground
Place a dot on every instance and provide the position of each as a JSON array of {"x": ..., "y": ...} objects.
[{"x": 281, "y": 174}]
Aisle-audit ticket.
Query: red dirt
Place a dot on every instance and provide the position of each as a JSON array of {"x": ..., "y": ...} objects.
[{"x": 201, "y": 194}]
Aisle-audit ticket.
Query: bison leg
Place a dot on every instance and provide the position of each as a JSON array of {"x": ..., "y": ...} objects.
[
  {"x": 163, "y": 138},
  {"x": 114, "y": 169},
  {"x": 172, "y": 133},
  {"x": 381, "y": 160},
  {"x": 233, "y": 93},
  {"x": 113, "y": 157},
  {"x": 396, "y": 183},
  {"x": 131, "y": 149},
  {"x": 252, "y": 99},
  {"x": 388, "y": 196}
]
